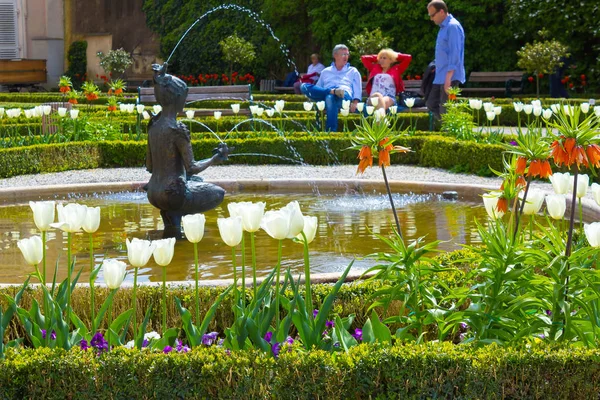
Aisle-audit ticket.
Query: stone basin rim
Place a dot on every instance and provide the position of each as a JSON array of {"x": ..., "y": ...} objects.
[{"x": 12, "y": 195}]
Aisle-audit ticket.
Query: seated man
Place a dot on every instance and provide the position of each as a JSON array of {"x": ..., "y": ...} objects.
[{"x": 338, "y": 82}]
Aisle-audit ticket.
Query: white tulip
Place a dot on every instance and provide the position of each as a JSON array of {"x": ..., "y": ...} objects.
[
  {"x": 43, "y": 213},
  {"x": 279, "y": 105},
  {"x": 235, "y": 108},
  {"x": 490, "y": 201},
  {"x": 190, "y": 114},
  {"x": 393, "y": 110},
  {"x": 74, "y": 114},
  {"x": 560, "y": 182},
  {"x": 259, "y": 111},
  {"x": 114, "y": 272},
  {"x": 370, "y": 110},
  {"x": 537, "y": 111},
  {"x": 139, "y": 251},
  {"x": 596, "y": 192},
  {"x": 230, "y": 230},
  {"x": 585, "y": 108},
  {"x": 2, "y": 111},
  {"x": 487, "y": 106},
  {"x": 310, "y": 229},
  {"x": 410, "y": 102},
  {"x": 569, "y": 110},
  {"x": 490, "y": 115},
  {"x": 592, "y": 234},
  {"x": 379, "y": 114},
  {"x": 156, "y": 108},
  {"x": 28, "y": 114},
  {"x": 582, "y": 184},
  {"x": 528, "y": 109},
  {"x": 70, "y": 217},
  {"x": 320, "y": 105},
  {"x": 193, "y": 227},
  {"x": 217, "y": 115},
  {"x": 32, "y": 249},
  {"x": 91, "y": 221},
  {"x": 253, "y": 109},
  {"x": 146, "y": 115},
  {"x": 270, "y": 112},
  {"x": 296, "y": 219},
  {"x": 497, "y": 110},
  {"x": 556, "y": 204},
  {"x": 123, "y": 107},
  {"x": 597, "y": 111},
  {"x": 374, "y": 101},
  {"x": 518, "y": 106},
  {"x": 547, "y": 114},
  {"x": 38, "y": 111},
  {"x": 251, "y": 213},
  {"x": 139, "y": 108},
  {"x": 360, "y": 107},
  {"x": 534, "y": 201},
  {"x": 345, "y": 104},
  {"x": 62, "y": 111},
  {"x": 472, "y": 103},
  {"x": 555, "y": 108},
  {"x": 344, "y": 112},
  {"x": 163, "y": 251},
  {"x": 276, "y": 224},
  {"x": 130, "y": 108},
  {"x": 536, "y": 103},
  {"x": 308, "y": 106}
]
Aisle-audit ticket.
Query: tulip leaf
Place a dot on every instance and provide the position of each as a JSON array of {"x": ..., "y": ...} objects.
[
  {"x": 257, "y": 337},
  {"x": 190, "y": 329},
  {"x": 117, "y": 325},
  {"x": 100, "y": 316},
  {"x": 80, "y": 326},
  {"x": 94, "y": 274},
  {"x": 167, "y": 339},
  {"x": 328, "y": 302},
  {"x": 139, "y": 338},
  {"x": 345, "y": 338},
  {"x": 368, "y": 336},
  {"x": 211, "y": 312},
  {"x": 380, "y": 330}
]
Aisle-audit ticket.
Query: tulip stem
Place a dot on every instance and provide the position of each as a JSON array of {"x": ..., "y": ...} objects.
[
  {"x": 253, "y": 264},
  {"x": 278, "y": 267},
  {"x": 92, "y": 282},
  {"x": 243, "y": 270},
  {"x": 134, "y": 299},
  {"x": 197, "y": 295},
  {"x": 570, "y": 234},
  {"x": 236, "y": 293},
  {"x": 44, "y": 257},
  {"x": 164, "y": 300},
  {"x": 308, "y": 293},
  {"x": 387, "y": 186},
  {"x": 522, "y": 206},
  {"x": 69, "y": 240},
  {"x": 580, "y": 215}
]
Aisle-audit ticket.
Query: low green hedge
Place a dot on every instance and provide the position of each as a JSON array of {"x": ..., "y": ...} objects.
[
  {"x": 430, "y": 151},
  {"x": 435, "y": 371}
]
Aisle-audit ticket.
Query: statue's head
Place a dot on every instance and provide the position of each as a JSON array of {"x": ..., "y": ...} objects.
[{"x": 169, "y": 90}]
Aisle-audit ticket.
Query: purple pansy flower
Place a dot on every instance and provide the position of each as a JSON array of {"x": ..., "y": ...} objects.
[
  {"x": 52, "y": 334},
  {"x": 315, "y": 312},
  {"x": 329, "y": 324},
  {"x": 549, "y": 313},
  {"x": 357, "y": 334},
  {"x": 145, "y": 343},
  {"x": 514, "y": 143},
  {"x": 84, "y": 344},
  {"x": 209, "y": 338},
  {"x": 181, "y": 348},
  {"x": 99, "y": 342},
  {"x": 275, "y": 349},
  {"x": 289, "y": 340},
  {"x": 167, "y": 349},
  {"x": 268, "y": 336}
]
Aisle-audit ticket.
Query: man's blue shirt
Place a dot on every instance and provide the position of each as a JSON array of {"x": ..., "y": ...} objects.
[
  {"x": 450, "y": 51},
  {"x": 348, "y": 78}
]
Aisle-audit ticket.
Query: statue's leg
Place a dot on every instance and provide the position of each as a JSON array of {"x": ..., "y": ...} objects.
[
  {"x": 172, "y": 222},
  {"x": 201, "y": 197}
]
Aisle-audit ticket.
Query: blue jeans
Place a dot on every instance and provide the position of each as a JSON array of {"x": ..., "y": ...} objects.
[{"x": 333, "y": 104}]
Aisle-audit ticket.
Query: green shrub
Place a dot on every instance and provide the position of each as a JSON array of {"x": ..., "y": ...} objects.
[{"x": 366, "y": 371}]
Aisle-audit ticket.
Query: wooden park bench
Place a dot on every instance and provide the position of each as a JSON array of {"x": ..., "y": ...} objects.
[
  {"x": 512, "y": 82},
  {"x": 19, "y": 74},
  {"x": 198, "y": 93}
]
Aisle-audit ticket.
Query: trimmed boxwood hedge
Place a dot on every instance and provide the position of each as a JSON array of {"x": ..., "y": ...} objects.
[
  {"x": 374, "y": 371},
  {"x": 431, "y": 151}
]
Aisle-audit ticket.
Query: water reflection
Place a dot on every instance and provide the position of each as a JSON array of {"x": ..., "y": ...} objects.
[{"x": 348, "y": 225}]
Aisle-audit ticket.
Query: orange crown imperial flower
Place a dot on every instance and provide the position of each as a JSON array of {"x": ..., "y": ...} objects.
[
  {"x": 502, "y": 205},
  {"x": 521, "y": 165},
  {"x": 65, "y": 89},
  {"x": 593, "y": 155},
  {"x": 365, "y": 156},
  {"x": 73, "y": 101}
]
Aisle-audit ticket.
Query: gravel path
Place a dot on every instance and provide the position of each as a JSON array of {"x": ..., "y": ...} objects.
[{"x": 395, "y": 172}]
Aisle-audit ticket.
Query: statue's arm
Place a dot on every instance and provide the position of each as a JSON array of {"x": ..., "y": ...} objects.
[{"x": 192, "y": 167}]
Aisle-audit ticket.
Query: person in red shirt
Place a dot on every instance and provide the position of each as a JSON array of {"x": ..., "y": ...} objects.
[{"x": 385, "y": 77}]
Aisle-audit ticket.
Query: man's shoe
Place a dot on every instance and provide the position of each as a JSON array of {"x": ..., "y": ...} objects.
[{"x": 340, "y": 93}]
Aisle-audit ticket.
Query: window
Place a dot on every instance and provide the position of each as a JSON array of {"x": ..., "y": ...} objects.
[{"x": 9, "y": 45}]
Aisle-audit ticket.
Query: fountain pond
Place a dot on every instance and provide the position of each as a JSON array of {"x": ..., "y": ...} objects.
[{"x": 348, "y": 225}]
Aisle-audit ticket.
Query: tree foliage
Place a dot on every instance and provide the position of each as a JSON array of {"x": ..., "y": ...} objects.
[{"x": 236, "y": 50}]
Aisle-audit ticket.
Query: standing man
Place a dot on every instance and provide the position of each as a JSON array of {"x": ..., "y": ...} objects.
[
  {"x": 338, "y": 82},
  {"x": 449, "y": 56}
]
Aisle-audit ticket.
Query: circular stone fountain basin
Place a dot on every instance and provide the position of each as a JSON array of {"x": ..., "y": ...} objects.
[{"x": 351, "y": 214}]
